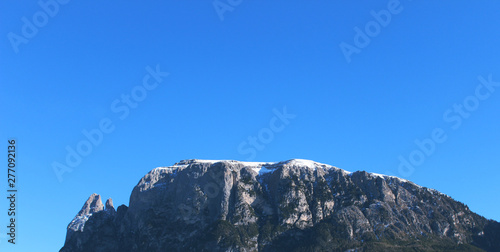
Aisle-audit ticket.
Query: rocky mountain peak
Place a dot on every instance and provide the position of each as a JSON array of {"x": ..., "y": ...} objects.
[
  {"x": 295, "y": 205},
  {"x": 109, "y": 205},
  {"x": 92, "y": 205}
]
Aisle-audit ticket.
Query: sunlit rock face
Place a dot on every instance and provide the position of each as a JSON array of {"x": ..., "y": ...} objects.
[{"x": 294, "y": 205}]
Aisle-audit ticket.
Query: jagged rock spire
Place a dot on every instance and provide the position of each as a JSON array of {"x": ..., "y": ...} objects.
[
  {"x": 109, "y": 205},
  {"x": 92, "y": 205}
]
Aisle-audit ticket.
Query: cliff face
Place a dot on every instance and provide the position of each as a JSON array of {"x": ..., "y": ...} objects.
[{"x": 295, "y": 205}]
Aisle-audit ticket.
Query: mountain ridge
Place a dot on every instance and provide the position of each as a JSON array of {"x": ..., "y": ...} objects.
[{"x": 228, "y": 205}]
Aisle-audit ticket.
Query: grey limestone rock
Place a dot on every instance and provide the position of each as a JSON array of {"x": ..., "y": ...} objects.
[{"x": 294, "y": 205}]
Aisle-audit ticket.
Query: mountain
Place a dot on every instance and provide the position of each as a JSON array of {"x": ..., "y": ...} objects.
[{"x": 294, "y": 205}]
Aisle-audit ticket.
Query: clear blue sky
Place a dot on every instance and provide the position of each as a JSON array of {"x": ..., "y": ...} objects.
[{"x": 227, "y": 78}]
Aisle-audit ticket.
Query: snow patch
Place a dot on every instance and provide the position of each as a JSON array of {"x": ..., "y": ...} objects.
[
  {"x": 251, "y": 164},
  {"x": 346, "y": 172},
  {"x": 386, "y": 176},
  {"x": 303, "y": 162},
  {"x": 262, "y": 170},
  {"x": 206, "y": 161}
]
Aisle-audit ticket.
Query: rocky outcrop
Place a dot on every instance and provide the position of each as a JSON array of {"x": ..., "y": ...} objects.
[
  {"x": 91, "y": 206},
  {"x": 109, "y": 206},
  {"x": 295, "y": 205}
]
